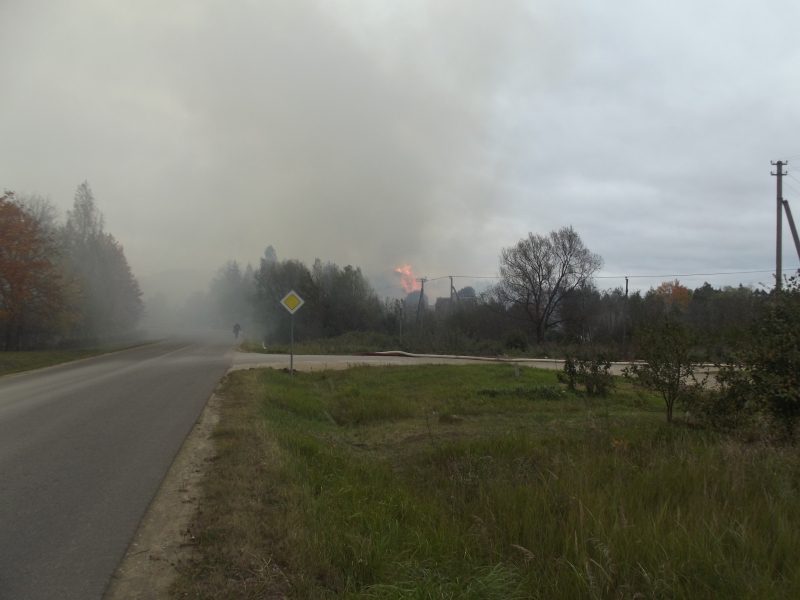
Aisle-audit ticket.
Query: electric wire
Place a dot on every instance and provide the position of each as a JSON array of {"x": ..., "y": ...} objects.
[
  {"x": 635, "y": 276},
  {"x": 792, "y": 188}
]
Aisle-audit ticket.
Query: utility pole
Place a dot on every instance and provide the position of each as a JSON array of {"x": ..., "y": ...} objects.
[
  {"x": 400, "y": 308},
  {"x": 778, "y": 229},
  {"x": 422, "y": 281},
  {"x": 453, "y": 292},
  {"x": 625, "y": 317}
]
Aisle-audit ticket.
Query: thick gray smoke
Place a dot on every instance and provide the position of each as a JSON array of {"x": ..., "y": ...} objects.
[{"x": 404, "y": 131}]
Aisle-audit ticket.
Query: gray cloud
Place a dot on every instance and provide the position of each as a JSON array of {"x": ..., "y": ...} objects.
[{"x": 433, "y": 133}]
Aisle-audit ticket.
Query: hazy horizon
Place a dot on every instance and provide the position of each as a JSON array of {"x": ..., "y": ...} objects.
[{"x": 392, "y": 133}]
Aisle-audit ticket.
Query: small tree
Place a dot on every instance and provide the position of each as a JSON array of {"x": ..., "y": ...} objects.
[{"x": 668, "y": 368}]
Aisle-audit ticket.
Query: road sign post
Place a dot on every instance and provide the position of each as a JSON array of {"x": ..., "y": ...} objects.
[
  {"x": 292, "y": 302},
  {"x": 291, "y": 347}
]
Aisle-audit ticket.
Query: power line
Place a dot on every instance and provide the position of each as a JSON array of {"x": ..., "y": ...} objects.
[
  {"x": 638, "y": 276},
  {"x": 464, "y": 277},
  {"x": 635, "y": 276},
  {"x": 791, "y": 187},
  {"x": 693, "y": 274}
]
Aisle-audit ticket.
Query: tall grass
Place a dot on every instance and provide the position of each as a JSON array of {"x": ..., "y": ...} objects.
[{"x": 469, "y": 482}]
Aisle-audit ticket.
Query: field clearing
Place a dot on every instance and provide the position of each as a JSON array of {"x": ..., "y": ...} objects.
[{"x": 482, "y": 481}]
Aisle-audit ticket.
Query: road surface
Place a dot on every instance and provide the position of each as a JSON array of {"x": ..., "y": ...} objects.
[
  {"x": 83, "y": 449},
  {"x": 320, "y": 362},
  {"x": 311, "y": 362}
]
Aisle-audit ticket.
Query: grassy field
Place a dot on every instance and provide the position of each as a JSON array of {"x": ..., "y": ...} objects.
[
  {"x": 483, "y": 482},
  {"x": 15, "y": 362}
]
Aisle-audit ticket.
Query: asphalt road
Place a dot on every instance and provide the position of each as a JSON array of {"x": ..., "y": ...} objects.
[{"x": 83, "y": 450}]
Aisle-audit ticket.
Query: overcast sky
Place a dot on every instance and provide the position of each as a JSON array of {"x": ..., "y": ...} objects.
[{"x": 434, "y": 133}]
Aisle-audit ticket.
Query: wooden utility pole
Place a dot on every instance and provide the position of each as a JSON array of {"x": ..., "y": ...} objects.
[
  {"x": 778, "y": 229},
  {"x": 625, "y": 317},
  {"x": 453, "y": 292},
  {"x": 421, "y": 294}
]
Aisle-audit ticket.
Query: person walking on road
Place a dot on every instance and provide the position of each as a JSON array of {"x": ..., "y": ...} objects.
[{"x": 236, "y": 329}]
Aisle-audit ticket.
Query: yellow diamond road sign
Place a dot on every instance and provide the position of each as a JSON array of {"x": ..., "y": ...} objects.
[{"x": 292, "y": 302}]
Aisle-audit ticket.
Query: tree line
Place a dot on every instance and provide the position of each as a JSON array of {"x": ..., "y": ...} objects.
[
  {"x": 545, "y": 302},
  {"x": 62, "y": 283},
  {"x": 337, "y": 299}
]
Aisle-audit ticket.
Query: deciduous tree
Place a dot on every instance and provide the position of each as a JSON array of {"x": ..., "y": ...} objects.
[
  {"x": 674, "y": 295},
  {"x": 540, "y": 270},
  {"x": 31, "y": 291}
]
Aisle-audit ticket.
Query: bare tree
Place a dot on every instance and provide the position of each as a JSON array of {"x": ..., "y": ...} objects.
[{"x": 539, "y": 270}]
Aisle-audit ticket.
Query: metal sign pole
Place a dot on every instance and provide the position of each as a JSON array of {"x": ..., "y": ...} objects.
[
  {"x": 292, "y": 302},
  {"x": 291, "y": 350}
]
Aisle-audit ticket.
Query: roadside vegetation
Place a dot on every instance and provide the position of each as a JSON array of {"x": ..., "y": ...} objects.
[
  {"x": 485, "y": 481},
  {"x": 16, "y": 362}
]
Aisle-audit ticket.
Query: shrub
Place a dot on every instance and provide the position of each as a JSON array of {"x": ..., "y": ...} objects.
[
  {"x": 765, "y": 376},
  {"x": 516, "y": 340},
  {"x": 569, "y": 376},
  {"x": 593, "y": 373},
  {"x": 715, "y": 408}
]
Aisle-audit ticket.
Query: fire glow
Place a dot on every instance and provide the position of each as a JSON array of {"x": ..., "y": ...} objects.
[{"x": 407, "y": 278}]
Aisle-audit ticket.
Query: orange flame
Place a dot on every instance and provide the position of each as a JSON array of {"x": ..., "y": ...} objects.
[{"x": 407, "y": 279}]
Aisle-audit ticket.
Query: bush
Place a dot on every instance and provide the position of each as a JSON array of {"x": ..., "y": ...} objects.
[
  {"x": 765, "y": 376},
  {"x": 714, "y": 408},
  {"x": 569, "y": 376},
  {"x": 593, "y": 373},
  {"x": 516, "y": 340}
]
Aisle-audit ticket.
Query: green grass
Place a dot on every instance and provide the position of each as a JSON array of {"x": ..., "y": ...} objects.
[
  {"x": 15, "y": 362},
  {"x": 471, "y": 482}
]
